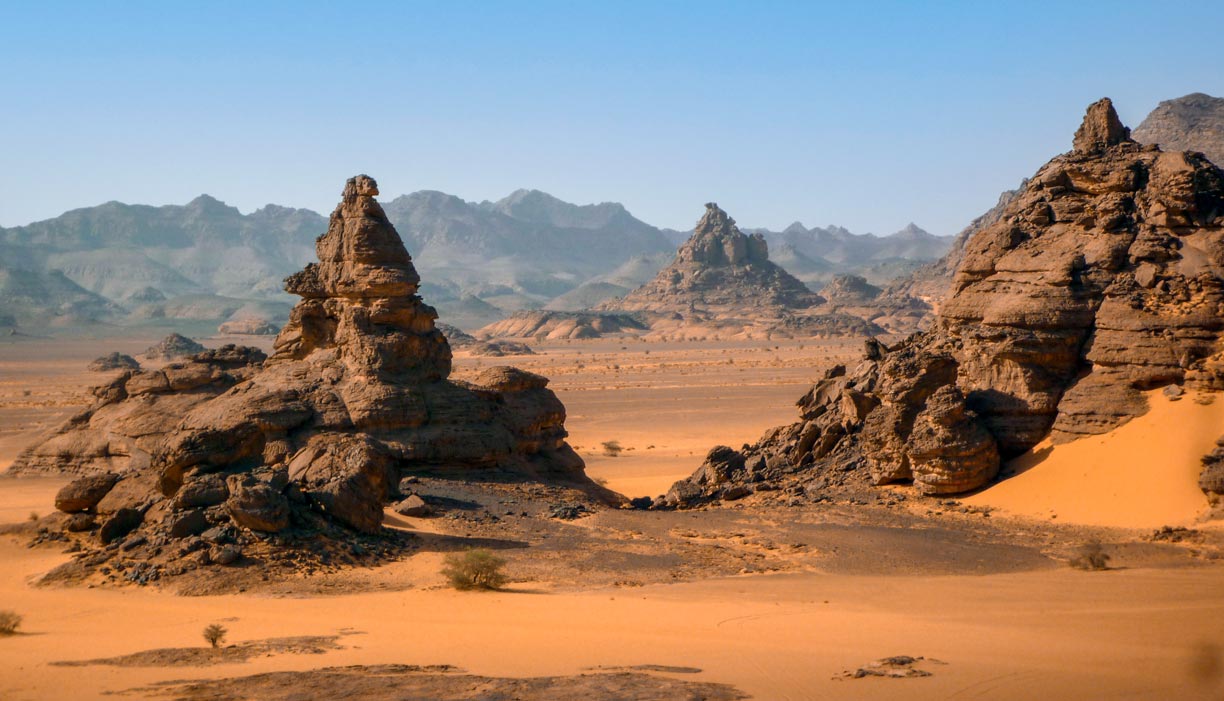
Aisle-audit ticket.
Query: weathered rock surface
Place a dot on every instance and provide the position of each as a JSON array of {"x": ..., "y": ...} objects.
[
  {"x": 1191, "y": 123},
  {"x": 896, "y": 312},
  {"x": 114, "y": 361},
  {"x": 248, "y": 326},
  {"x": 498, "y": 349},
  {"x": 1194, "y": 122},
  {"x": 133, "y": 413},
  {"x": 1211, "y": 479},
  {"x": 718, "y": 270},
  {"x": 1103, "y": 277},
  {"x": 355, "y": 394},
  {"x": 555, "y": 325},
  {"x": 173, "y": 346},
  {"x": 455, "y": 336},
  {"x": 930, "y": 283},
  {"x": 721, "y": 284},
  {"x": 85, "y": 493}
]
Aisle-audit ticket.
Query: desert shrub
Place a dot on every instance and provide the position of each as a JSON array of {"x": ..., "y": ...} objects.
[
  {"x": 611, "y": 448},
  {"x": 1090, "y": 556},
  {"x": 601, "y": 481},
  {"x": 34, "y": 516},
  {"x": 9, "y": 622},
  {"x": 215, "y": 634},
  {"x": 475, "y": 569}
]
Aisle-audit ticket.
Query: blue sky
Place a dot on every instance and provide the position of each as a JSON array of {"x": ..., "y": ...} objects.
[{"x": 868, "y": 115}]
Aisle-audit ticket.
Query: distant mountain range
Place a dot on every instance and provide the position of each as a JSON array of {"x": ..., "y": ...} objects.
[{"x": 206, "y": 262}]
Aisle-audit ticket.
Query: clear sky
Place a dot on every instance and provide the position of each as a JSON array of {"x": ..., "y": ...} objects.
[{"x": 868, "y": 115}]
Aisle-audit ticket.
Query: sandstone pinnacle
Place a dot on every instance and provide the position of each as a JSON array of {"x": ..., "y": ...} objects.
[{"x": 1101, "y": 127}]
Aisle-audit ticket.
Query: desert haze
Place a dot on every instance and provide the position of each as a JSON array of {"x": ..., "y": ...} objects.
[{"x": 511, "y": 447}]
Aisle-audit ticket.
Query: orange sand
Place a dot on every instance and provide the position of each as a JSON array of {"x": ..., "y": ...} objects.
[{"x": 1143, "y": 474}]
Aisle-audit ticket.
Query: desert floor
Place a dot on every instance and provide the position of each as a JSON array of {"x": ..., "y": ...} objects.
[{"x": 986, "y": 600}]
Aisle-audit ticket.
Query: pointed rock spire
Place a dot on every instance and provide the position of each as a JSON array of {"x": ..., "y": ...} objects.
[
  {"x": 1101, "y": 128},
  {"x": 719, "y": 270},
  {"x": 717, "y": 241},
  {"x": 360, "y": 298}
]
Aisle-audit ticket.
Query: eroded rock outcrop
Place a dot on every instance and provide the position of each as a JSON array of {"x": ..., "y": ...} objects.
[
  {"x": 1193, "y": 122},
  {"x": 718, "y": 270},
  {"x": 1103, "y": 277},
  {"x": 172, "y": 347},
  {"x": 354, "y": 394},
  {"x": 133, "y": 413},
  {"x": 114, "y": 361},
  {"x": 722, "y": 284},
  {"x": 247, "y": 326},
  {"x": 555, "y": 325}
]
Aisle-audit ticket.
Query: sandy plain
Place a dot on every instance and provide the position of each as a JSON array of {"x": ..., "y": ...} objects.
[{"x": 1002, "y": 618}]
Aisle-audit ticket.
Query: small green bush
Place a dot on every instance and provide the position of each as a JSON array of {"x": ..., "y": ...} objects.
[
  {"x": 475, "y": 569},
  {"x": 9, "y": 622},
  {"x": 215, "y": 634},
  {"x": 1090, "y": 556}
]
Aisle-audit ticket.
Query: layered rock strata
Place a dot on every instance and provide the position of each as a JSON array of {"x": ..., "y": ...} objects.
[
  {"x": 719, "y": 270},
  {"x": 354, "y": 395},
  {"x": 1102, "y": 278}
]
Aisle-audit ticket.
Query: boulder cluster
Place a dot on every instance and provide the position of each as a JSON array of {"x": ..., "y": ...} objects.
[
  {"x": 1101, "y": 279},
  {"x": 355, "y": 395}
]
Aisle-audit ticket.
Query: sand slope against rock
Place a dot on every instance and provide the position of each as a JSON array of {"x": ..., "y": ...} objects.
[{"x": 1102, "y": 278}]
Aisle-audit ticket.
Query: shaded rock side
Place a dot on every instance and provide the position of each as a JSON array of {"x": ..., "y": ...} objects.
[
  {"x": 172, "y": 347},
  {"x": 114, "y": 361},
  {"x": 1103, "y": 277},
  {"x": 553, "y": 325},
  {"x": 355, "y": 394},
  {"x": 132, "y": 413},
  {"x": 1211, "y": 479},
  {"x": 1194, "y": 122}
]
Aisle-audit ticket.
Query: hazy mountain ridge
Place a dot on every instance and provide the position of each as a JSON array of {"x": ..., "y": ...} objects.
[
  {"x": 130, "y": 263},
  {"x": 1193, "y": 122}
]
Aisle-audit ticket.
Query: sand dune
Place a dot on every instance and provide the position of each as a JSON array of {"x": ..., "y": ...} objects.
[{"x": 1143, "y": 474}]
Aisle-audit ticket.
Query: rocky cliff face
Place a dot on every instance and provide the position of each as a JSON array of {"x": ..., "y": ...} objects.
[
  {"x": 1194, "y": 122},
  {"x": 1102, "y": 277},
  {"x": 1191, "y": 123},
  {"x": 355, "y": 393}
]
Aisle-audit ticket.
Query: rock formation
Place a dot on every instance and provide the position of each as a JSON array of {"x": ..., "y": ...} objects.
[
  {"x": 114, "y": 361},
  {"x": 1191, "y": 123},
  {"x": 455, "y": 336},
  {"x": 247, "y": 326},
  {"x": 718, "y": 271},
  {"x": 1102, "y": 278},
  {"x": 172, "y": 347},
  {"x": 355, "y": 394},
  {"x": 720, "y": 284},
  {"x": 131, "y": 414},
  {"x": 555, "y": 325},
  {"x": 929, "y": 284},
  {"x": 498, "y": 349},
  {"x": 1194, "y": 122}
]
